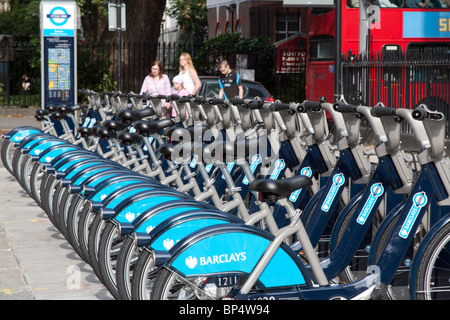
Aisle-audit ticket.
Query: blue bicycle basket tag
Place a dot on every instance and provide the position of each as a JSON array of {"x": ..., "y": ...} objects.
[
  {"x": 304, "y": 172},
  {"x": 420, "y": 199},
  {"x": 279, "y": 165},
  {"x": 376, "y": 190},
  {"x": 229, "y": 167},
  {"x": 338, "y": 181},
  {"x": 256, "y": 159}
]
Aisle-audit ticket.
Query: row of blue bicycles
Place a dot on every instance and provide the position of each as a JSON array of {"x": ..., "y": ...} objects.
[{"x": 243, "y": 199}]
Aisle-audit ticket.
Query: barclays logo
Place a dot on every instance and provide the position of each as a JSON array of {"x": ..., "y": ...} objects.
[
  {"x": 192, "y": 262},
  {"x": 420, "y": 199}
]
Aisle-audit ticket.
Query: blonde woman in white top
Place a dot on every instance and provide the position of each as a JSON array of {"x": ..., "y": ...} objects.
[{"x": 188, "y": 74}]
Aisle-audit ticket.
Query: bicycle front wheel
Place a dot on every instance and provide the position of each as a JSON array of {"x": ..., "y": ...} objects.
[
  {"x": 434, "y": 270},
  {"x": 171, "y": 286}
]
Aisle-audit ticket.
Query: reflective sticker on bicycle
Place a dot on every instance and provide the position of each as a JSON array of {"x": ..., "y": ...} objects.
[
  {"x": 304, "y": 172},
  {"x": 256, "y": 159},
  {"x": 279, "y": 165},
  {"x": 338, "y": 181},
  {"x": 229, "y": 167},
  {"x": 193, "y": 163},
  {"x": 420, "y": 199},
  {"x": 376, "y": 191},
  {"x": 208, "y": 167}
]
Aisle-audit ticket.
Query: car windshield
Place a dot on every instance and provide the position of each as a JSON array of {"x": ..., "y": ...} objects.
[{"x": 250, "y": 90}]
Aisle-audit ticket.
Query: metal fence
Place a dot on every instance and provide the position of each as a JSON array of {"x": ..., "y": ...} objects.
[
  {"x": 400, "y": 79},
  {"x": 97, "y": 69}
]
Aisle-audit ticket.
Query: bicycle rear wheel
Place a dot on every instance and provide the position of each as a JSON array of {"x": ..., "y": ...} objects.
[{"x": 434, "y": 269}]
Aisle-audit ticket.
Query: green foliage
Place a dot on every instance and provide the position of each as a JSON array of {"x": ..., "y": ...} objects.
[
  {"x": 192, "y": 19},
  {"x": 94, "y": 67},
  {"x": 22, "y": 21},
  {"x": 223, "y": 45}
]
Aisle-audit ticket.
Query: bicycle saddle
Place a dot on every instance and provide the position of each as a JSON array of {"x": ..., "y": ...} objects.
[
  {"x": 114, "y": 125},
  {"x": 103, "y": 133},
  {"x": 52, "y": 108},
  {"x": 158, "y": 125},
  {"x": 133, "y": 115},
  {"x": 166, "y": 149},
  {"x": 85, "y": 132},
  {"x": 42, "y": 112},
  {"x": 128, "y": 138},
  {"x": 69, "y": 109},
  {"x": 58, "y": 115},
  {"x": 143, "y": 128},
  {"x": 273, "y": 190}
]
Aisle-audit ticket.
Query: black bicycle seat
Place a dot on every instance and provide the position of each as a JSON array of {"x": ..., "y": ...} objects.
[
  {"x": 58, "y": 115},
  {"x": 166, "y": 149},
  {"x": 69, "y": 109},
  {"x": 158, "y": 125},
  {"x": 42, "y": 112},
  {"x": 103, "y": 133},
  {"x": 114, "y": 125},
  {"x": 143, "y": 128},
  {"x": 128, "y": 138},
  {"x": 133, "y": 115},
  {"x": 273, "y": 190},
  {"x": 85, "y": 132}
]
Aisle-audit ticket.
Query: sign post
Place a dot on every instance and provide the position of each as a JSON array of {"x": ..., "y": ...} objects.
[
  {"x": 58, "y": 53},
  {"x": 116, "y": 22}
]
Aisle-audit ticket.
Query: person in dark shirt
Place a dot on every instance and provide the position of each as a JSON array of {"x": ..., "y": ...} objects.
[{"x": 229, "y": 82}]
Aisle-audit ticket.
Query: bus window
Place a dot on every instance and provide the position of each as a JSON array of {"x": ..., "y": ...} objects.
[
  {"x": 380, "y": 3},
  {"x": 321, "y": 48},
  {"x": 391, "y": 52}
]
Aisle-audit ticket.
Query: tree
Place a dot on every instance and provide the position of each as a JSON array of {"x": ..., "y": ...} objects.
[{"x": 192, "y": 18}]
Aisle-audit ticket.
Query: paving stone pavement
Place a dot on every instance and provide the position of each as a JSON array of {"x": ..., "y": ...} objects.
[{"x": 36, "y": 262}]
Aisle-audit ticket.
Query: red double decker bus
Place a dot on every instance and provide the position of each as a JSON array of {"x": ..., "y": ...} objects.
[{"x": 397, "y": 29}]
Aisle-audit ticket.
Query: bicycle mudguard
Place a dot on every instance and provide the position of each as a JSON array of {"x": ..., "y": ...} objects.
[
  {"x": 152, "y": 217},
  {"x": 75, "y": 170},
  {"x": 70, "y": 156},
  {"x": 98, "y": 190},
  {"x": 167, "y": 233},
  {"x": 135, "y": 205},
  {"x": 423, "y": 246},
  {"x": 47, "y": 155},
  {"x": 381, "y": 229},
  {"x": 341, "y": 217},
  {"x": 34, "y": 140},
  {"x": 112, "y": 194},
  {"x": 137, "y": 192},
  {"x": 236, "y": 249},
  {"x": 97, "y": 177},
  {"x": 16, "y": 135}
]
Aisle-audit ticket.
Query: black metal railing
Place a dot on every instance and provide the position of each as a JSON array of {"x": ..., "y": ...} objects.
[
  {"x": 97, "y": 69},
  {"x": 400, "y": 79}
]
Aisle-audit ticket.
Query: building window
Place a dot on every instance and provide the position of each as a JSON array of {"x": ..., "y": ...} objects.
[{"x": 286, "y": 25}]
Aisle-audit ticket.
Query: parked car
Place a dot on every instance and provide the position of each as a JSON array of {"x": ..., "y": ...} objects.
[{"x": 252, "y": 89}]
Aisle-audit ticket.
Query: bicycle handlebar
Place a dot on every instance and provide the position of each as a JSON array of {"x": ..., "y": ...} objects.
[
  {"x": 343, "y": 107},
  {"x": 422, "y": 112},
  {"x": 381, "y": 111}
]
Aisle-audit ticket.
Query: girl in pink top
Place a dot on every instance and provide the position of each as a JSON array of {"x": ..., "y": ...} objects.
[
  {"x": 180, "y": 90},
  {"x": 156, "y": 83}
]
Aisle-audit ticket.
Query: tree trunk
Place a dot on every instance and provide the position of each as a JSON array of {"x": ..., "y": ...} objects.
[{"x": 143, "y": 24}]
